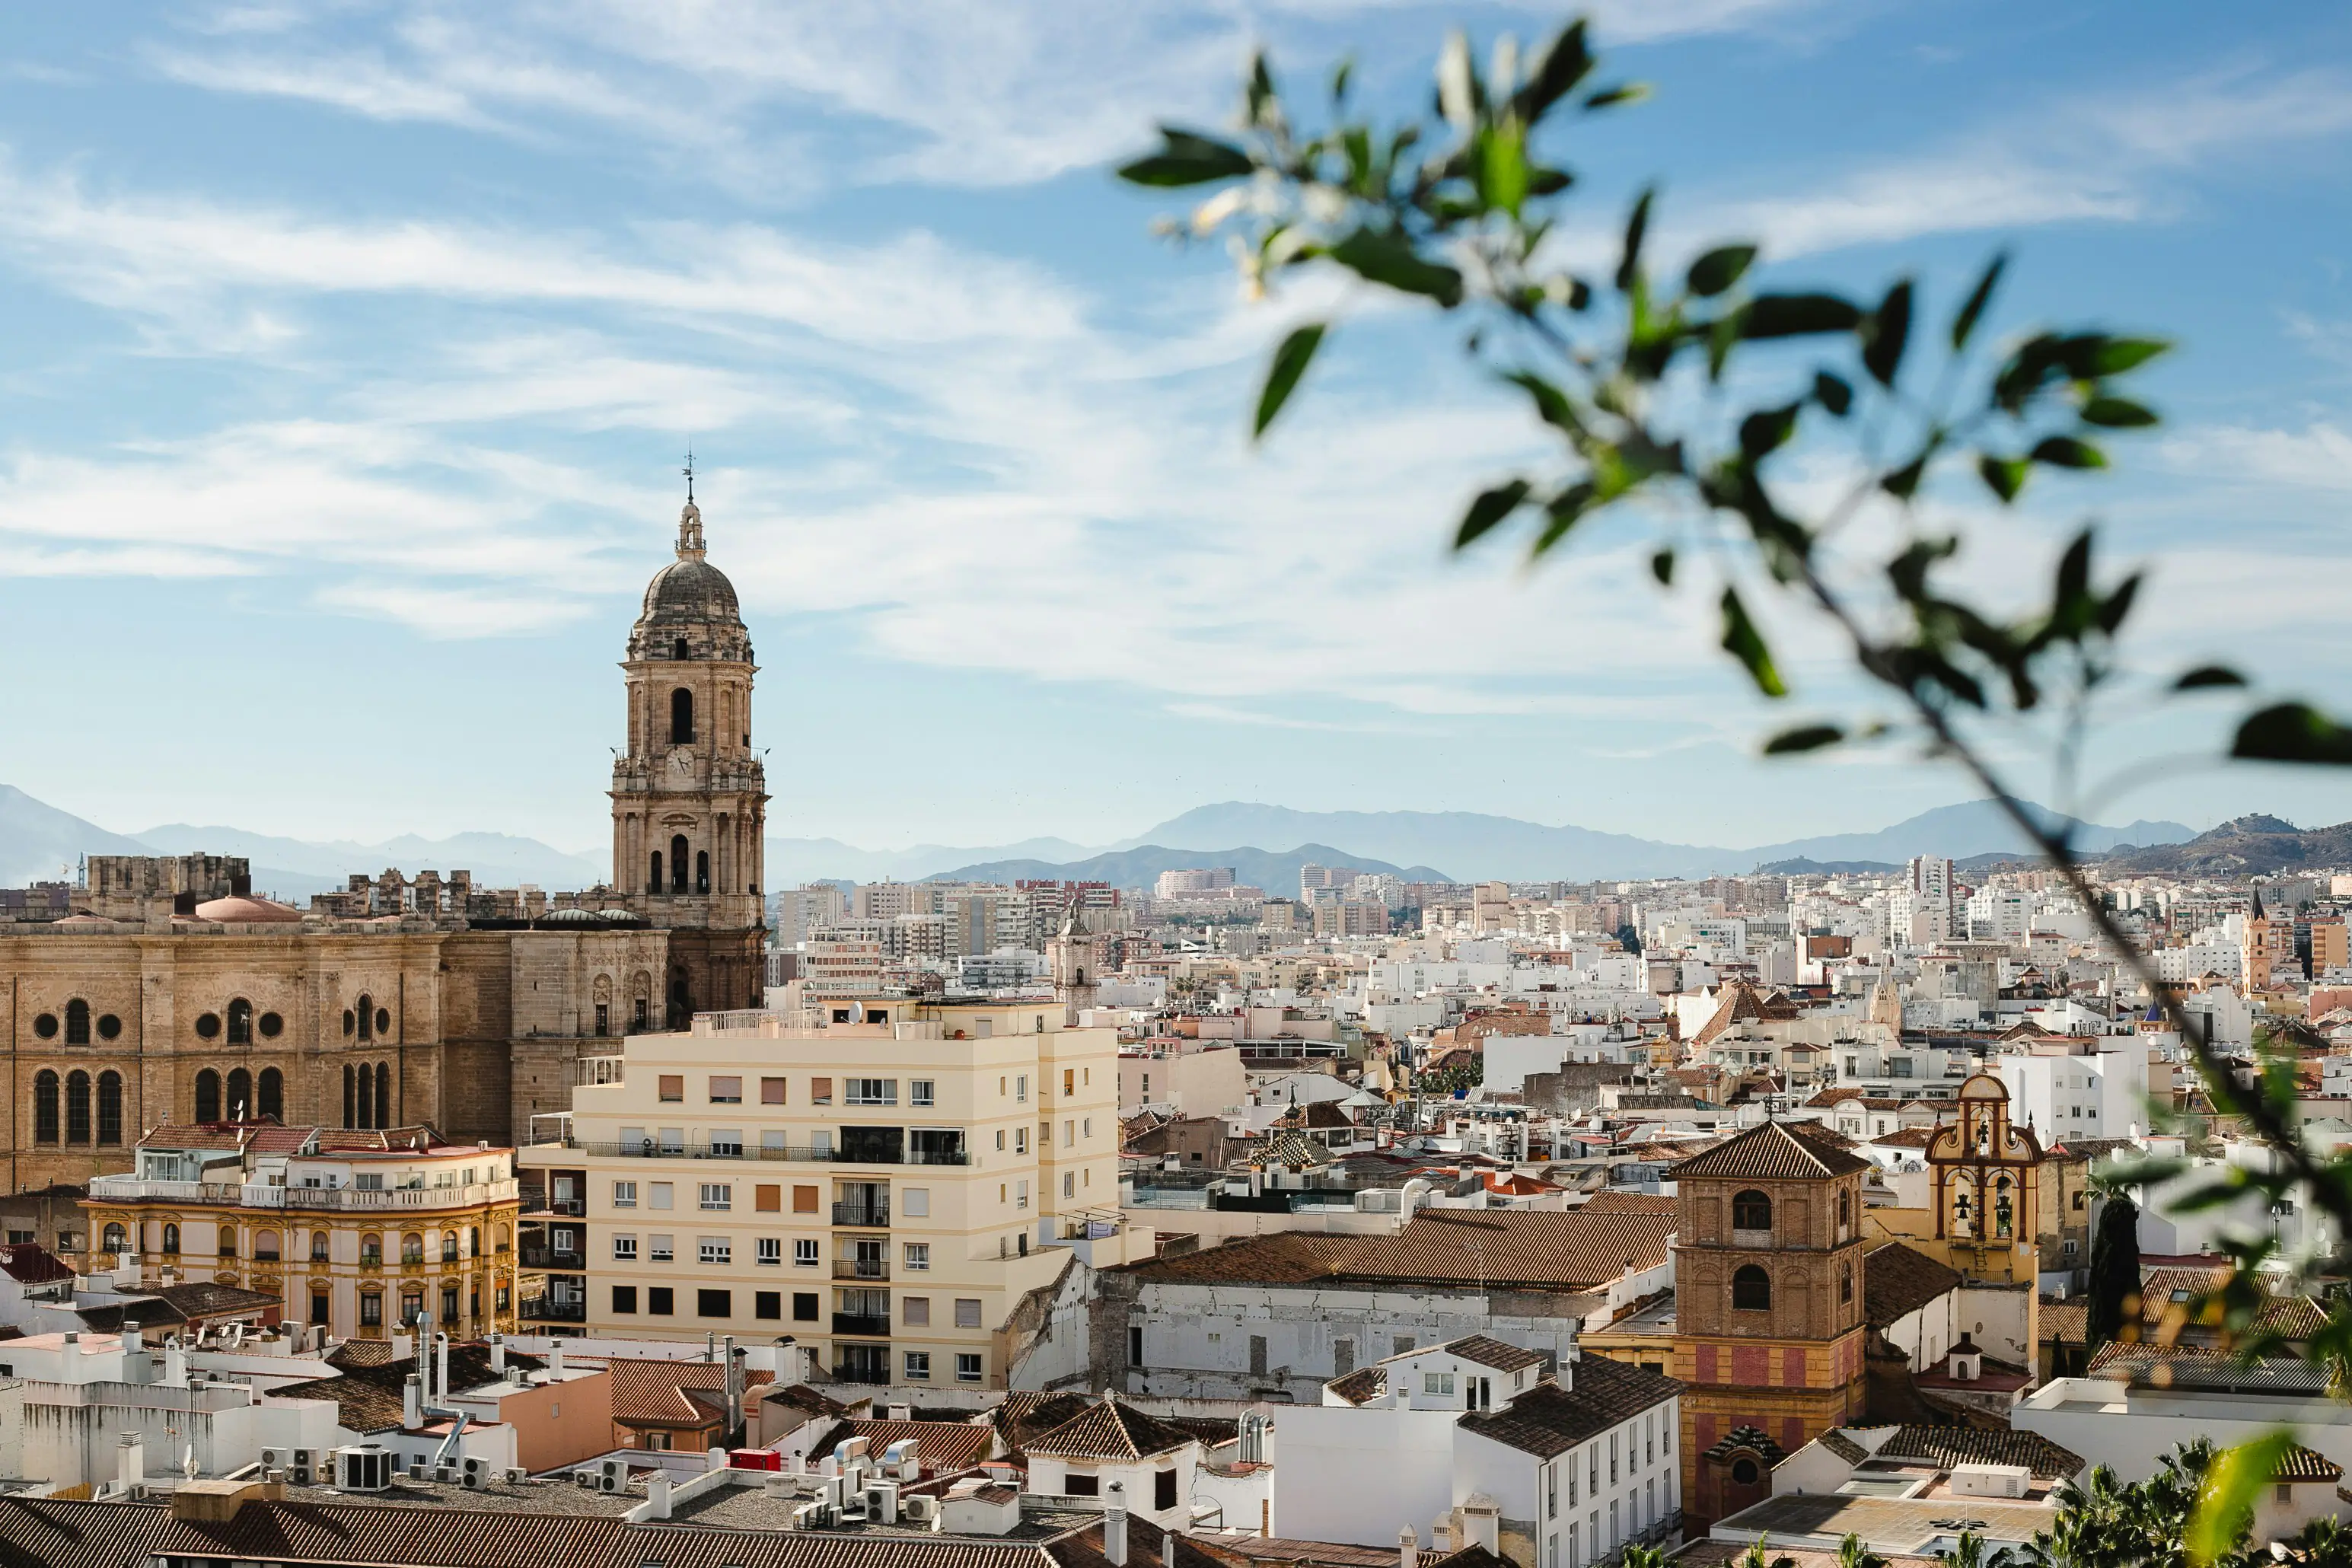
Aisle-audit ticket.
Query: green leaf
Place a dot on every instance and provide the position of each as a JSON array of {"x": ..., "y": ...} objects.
[
  {"x": 1282, "y": 373},
  {"x": 1565, "y": 510},
  {"x": 2225, "y": 1503},
  {"x": 1767, "y": 430},
  {"x": 2293, "y": 732},
  {"x": 2003, "y": 476},
  {"x": 1565, "y": 62},
  {"x": 1979, "y": 298},
  {"x": 1551, "y": 404},
  {"x": 1832, "y": 393},
  {"x": 2073, "y": 571},
  {"x": 1803, "y": 738},
  {"x": 1187, "y": 159},
  {"x": 2119, "y": 604},
  {"x": 1503, "y": 166},
  {"x": 1662, "y": 567},
  {"x": 2066, "y": 452},
  {"x": 1623, "y": 92},
  {"x": 1904, "y": 482},
  {"x": 2113, "y": 356},
  {"x": 1798, "y": 315},
  {"x": 1341, "y": 75},
  {"x": 1380, "y": 256},
  {"x": 1637, "y": 226},
  {"x": 1743, "y": 642},
  {"x": 1718, "y": 270},
  {"x": 2118, "y": 413},
  {"x": 1490, "y": 509},
  {"x": 1887, "y": 333},
  {"x": 2208, "y": 675}
]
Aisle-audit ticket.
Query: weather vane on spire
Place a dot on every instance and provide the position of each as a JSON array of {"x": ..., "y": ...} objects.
[{"x": 689, "y": 470}]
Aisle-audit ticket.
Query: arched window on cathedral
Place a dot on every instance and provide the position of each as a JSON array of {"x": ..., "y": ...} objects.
[
  {"x": 109, "y": 1107},
  {"x": 171, "y": 1240},
  {"x": 115, "y": 1238},
  {"x": 681, "y": 717},
  {"x": 678, "y": 649},
  {"x": 240, "y": 1094},
  {"x": 383, "y": 1094},
  {"x": 653, "y": 878},
  {"x": 1845, "y": 1210},
  {"x": 366, "y": 1011},
  {"x": 240, "y": 1022},
  {"x": 678, "y": 863},
  {"x": 1845, "y": 1282},
  {"x": 77, "y": 1022},
  {"x": 208, "y": 1095},
  {"x": 1751, "y": 1289},
  {"x": 366, "y": 1109},
  {"x": 681, "y": 1004},
  {"x": 1752, "y": 1210},
  {"x": 702, "y": 871},
  {"x": 77, "y": 1107},
  {"x": 45, "y": 1106},
  {"x": 269, "y": 1094},
  {"x": 350, "y": 1098}
]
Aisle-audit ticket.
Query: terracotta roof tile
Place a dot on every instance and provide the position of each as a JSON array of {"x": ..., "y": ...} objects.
[
  {"x": 1549, "y": 1420},
  {"x": 1110, "y": 1430},
  {"x": 1537, "y": 1249},
  {"x": 1949, "y": 1445},
  {"x": 30, "y": 1263},
  {"x": 674, "y": 1393},
  {"x": 1772, "y": 1151},
  {"x": 1618, "y": 1200},
  {"x": 1492, "y": 1353},
  {"x": 939, "y": 1446},
  {"x": 1897, "y": 1280},
  {"x": 1366, "y": 1383},
  {"x": 1752, "y": 1439},
  {"x": 2302, "y": 1464}
]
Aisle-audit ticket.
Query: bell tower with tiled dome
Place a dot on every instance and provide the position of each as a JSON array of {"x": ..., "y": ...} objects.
[{"x": 689, "y": 794}]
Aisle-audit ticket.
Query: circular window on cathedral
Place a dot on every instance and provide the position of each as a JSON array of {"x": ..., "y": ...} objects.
[
  {"x": 45, "y": 1025},
  {"x": 384, "y": 1020},
  {"x": 1744, "y": 1471},
  {"x": 208, "y": 1026},
  {"x": 108, "y": 1026},
  {"x": 350, "y": 1022},
  {"x": 271, "y": 1025}
]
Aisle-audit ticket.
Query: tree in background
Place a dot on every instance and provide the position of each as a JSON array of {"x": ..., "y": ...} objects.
[
  {"x": 2113, "y": 1308},
  {"x": 1681, "y": 404}
]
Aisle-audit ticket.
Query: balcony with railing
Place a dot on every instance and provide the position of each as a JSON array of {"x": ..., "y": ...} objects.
[
  {"x": 262, "y": 1196},
  {"x": 867, "y": 1216},
  {"x": 876, "y": 1326},
  {"x": 878, "y": 1269},
  {"x": 547, "y": 1310},
  {"x": 655, "y": 1149}
]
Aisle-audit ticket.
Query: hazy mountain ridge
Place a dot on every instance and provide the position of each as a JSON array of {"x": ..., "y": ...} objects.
[
  {"x": 1276, "y": 871},
  {"x": 2245, "y": 846}
]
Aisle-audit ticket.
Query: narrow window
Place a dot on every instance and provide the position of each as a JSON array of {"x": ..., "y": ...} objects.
[
  {"x": 652, "y": 878},
  {"x": 678, "y": 863},
  {"x": 78, "y": 1107},
  {"x": 351, "y": 1096},
  {"x": 681, "y": 717},
  {"x": 702, "y": 871},
  {"x": 383, "y": 1094},
  {"x": 366, "y": 1100},
  {"x": 45, "y": 1108},
  {"x": 77, "y": 1022},
  {"x": 1751, "y": 1289},
  {"x": 271, "y": 1093},
  {"x": 208, "y": 1095},
  {"x": 240, "y": 1022},
  {"x": 240, "y": 1094},
  {"x": 109, "y": 1107},
  {"x": 366, "y": 1011}
]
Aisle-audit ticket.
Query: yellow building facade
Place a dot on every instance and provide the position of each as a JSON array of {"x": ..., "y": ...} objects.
[
  {"x": 886, "y": 1181},
  {"x": 357, "y": 1233}
]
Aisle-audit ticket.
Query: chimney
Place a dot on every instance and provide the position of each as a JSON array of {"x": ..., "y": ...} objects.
[
  {"x": 1168, "y": 1536},
  {"x": 657, "y": 1495},
  {"x": 734, "y": 1390},
  {"x": 498, "y": 1353},
  {"x": 555, "y": 1361},
  {"x": 441, "y": 1377},
  {"x": 1408, "y": 1547},
  {"x": 135, "y": 1465},
  {"x": 175, "y": 1363},
  {"x": 1115, "y": 1527},
  {"x": 412, "y": 1401}
]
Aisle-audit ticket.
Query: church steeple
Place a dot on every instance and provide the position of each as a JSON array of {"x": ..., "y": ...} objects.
[{"x": 689, "y": 795}]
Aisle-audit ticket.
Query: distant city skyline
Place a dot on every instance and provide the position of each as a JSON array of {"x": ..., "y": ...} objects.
[{"x": 349, "y": 377}]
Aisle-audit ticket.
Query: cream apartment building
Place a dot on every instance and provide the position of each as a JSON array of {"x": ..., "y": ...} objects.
[{"x": 883, "y": 1179}]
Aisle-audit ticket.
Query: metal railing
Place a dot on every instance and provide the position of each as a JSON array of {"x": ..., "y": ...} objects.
[
  {"x": 865, "y": 1215},
  {"x": 548, "y": 1310},
  {"x": 877, "y": 1327},
  {"x": 261, "y": 1195},
  {"x": 861, "y": 1269},
  {"x": 653, "y": 1148}
]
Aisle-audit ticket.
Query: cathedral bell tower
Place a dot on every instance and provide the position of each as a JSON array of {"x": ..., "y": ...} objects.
[{"x": 689, "y": 796}]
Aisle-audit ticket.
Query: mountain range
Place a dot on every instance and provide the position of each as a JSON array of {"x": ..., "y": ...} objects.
[{"x": 39, "y": 842}]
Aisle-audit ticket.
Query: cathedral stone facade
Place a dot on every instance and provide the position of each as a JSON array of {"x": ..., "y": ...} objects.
[{"x": 172, "y": 993}]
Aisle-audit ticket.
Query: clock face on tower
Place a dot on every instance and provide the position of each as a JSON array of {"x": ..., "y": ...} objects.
[{"x": 681, "y": 763}]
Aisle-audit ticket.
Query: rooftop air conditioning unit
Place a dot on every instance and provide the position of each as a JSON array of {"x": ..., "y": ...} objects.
[
  {"x": 363, "y": 1467},
  {"x": 304, "y": 1468},
  {"x": 416, "y": 1466},
  {"x": 445, "y": 1475},
  {"x": 274, "y": 1458},
  {"x": 613, "y": 1476},
  {"x": 584, "y": 1479},
  {"x": 517, "y": 1474},
  {"x": 475, "y": 1473},
  {"x": 919, "y": 1510}
]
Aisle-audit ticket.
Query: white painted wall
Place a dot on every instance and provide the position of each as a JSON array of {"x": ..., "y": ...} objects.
[
  {"x": 2128, "y": 1430},
  {"x": 1357, "y": 1475}
]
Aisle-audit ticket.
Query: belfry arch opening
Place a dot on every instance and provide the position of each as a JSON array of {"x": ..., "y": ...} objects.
[{"x": 681, "y": 717}]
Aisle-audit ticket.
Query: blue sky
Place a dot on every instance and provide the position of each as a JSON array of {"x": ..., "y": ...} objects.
[{"x": 350, "y": 351}]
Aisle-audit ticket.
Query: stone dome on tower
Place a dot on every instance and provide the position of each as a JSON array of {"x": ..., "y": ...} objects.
[{"x": 692, "y": 599}]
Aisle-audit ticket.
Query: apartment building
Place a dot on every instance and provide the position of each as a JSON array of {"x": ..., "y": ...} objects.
[
  {"x": 883, "y": 1179},
  {"x": 360, "y": 1233}
]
